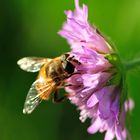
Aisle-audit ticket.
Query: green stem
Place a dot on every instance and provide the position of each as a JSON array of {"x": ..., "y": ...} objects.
[{"x": 133, "y": 64}]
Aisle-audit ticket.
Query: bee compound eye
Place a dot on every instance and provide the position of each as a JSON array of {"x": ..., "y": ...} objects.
[{"x": 69, "y": 67}]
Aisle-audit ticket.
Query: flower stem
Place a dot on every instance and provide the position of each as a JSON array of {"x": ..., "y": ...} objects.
[{"x": 133, "y": 64}]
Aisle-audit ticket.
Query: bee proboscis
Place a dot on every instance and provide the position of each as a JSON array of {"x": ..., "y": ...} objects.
[{"x": 51, "y": 77}]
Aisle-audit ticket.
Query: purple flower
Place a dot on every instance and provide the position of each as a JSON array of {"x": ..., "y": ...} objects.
[{"x": 99, "y": 88}]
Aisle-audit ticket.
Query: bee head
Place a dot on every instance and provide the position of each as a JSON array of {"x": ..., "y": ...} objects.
[{"x": 67, "y": 63}]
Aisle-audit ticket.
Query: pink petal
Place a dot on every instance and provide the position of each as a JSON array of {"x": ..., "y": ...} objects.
[
  {"x": 95, "y": 98},
  {"x": 119, "y": 133},
  {"x": 109, "y": 135},
  {"x": 95, "y": 126},
  {"x": 105, "y": 103}
]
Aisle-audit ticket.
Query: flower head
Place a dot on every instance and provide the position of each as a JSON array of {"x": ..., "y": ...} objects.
[{"x": 98, "y": 89}]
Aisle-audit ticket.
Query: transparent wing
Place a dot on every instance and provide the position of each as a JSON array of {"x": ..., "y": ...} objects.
[
  {"x": 33, "y": 97},
  {"x": 32, "y": 64}
]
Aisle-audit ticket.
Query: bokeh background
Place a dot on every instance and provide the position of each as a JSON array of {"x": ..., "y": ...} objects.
[{"x": 29, "y": 28}]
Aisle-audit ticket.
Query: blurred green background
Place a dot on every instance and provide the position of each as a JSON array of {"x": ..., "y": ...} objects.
[{"x": 29, "y": 28}]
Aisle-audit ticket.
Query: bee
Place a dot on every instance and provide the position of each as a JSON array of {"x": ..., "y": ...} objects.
[{"x": 51, "y": 77}]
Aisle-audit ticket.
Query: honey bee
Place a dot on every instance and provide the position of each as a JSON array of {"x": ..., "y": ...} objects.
[{"x": 51, "y": 77}]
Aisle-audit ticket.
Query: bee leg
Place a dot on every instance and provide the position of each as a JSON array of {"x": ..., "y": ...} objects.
[
  {"x": 74, "y": 60},
  {"x": 68, "y": 85},
  {"x": 57, "y": 99},
  {"x": 72, "y": 74},
  {"x": 75, "y": 73}
]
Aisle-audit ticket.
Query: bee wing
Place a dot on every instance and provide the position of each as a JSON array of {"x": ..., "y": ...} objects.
[
  {"x": 32, "y": 64},
  {"x": 33, "y": 97},
  {"x": 32, "y": 101}
]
